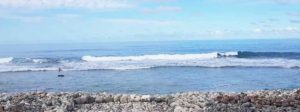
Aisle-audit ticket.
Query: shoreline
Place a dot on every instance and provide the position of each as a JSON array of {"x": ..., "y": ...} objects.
[{"x": 264, "y": 100}]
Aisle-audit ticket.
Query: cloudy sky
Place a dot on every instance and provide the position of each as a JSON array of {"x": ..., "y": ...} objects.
[{"x": 59, "y": 21}]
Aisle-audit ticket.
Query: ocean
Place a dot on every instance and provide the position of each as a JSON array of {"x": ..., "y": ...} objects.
[{"x": 157, "y": 67}]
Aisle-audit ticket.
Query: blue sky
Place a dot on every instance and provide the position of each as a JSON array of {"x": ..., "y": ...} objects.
[{"x": 68, "y": 21}]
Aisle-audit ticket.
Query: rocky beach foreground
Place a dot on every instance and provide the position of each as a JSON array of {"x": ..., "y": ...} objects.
[{"x": 267, "y": 100}]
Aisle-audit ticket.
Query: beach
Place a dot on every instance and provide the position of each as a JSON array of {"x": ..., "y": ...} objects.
[{"x": 265, "y": 100}]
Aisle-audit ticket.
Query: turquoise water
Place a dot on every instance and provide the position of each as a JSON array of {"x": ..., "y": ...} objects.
[{"x": 151, "y": 67}]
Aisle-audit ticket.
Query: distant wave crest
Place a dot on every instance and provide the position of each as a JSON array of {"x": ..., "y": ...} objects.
[
  {"x": 286, "y": 55},
  {"x": 6, "y": 60},
  {"x": 206, "y": 60},
  {"x": 161, "y": 57}
]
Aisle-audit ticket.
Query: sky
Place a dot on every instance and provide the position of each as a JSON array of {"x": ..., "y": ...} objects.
[{"x": 81, "y": 21}]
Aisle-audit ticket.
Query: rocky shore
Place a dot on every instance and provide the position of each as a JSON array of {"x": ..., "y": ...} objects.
[{"x": 268, "y": 101}]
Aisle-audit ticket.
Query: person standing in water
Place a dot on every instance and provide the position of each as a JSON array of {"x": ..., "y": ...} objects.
[{"x": 60, "y": 70}]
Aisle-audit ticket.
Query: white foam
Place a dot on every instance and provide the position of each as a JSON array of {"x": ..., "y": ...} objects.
[
  {"x": 152, "y": 57},
  {"x": 229, "y": 54},
  {"x": 211, "y": 63},
  {"x": 210, "y": 60},
  {"x": 39, "y": 60},
  {"x": 19, "y": 68},
  {"x": 6, "y": 60}
]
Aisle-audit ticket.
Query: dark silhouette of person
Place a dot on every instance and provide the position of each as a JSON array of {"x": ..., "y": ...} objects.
[
  {"x": 60, "y": 75},
  {"x": 59, "y": 69}
]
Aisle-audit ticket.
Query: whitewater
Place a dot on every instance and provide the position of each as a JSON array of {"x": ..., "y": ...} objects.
[{"x": 205, "y": 60}]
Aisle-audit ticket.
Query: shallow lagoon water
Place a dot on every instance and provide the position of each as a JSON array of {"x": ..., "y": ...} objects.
[{"x": 153, "y": 81}]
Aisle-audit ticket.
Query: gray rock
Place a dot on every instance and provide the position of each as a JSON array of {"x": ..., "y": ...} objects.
[
  {"x": 246, "y": 104},
  {"x": 276, "y": 101},
  {"x": 179, "y": 109},
  {"x": 48, "y": 103},
  {"x": 104, "y": 99},
  {"x": 158, "y": 99},
  {"x": 109, "y": 98},
  {"x": 99, "y": 99},
  {"x": 124, "y": 98},
  {"x": 135, "y": 98},
  {"x": 145, "y": 98},
  {"x": 117, "y": 98},
  {"x": 84, "y": 100}
]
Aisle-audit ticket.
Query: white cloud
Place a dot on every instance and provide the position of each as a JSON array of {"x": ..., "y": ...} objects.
[
  {"x": 285, "y": 1},
  {"x": 285, "y": 30},
  {"x": 23, "y": 18},
  {"x": 68, "y": 16},
  {"x": 260, "y": 1},
  {"x": 278, "y": 31},
  {"x": 90, "y": 4},
  {"x": 292, "y": 29},
  {"x": 160, "y": 1},
  {"x": 63, "y": 17},
  {"x": 162, "y": 9},
  {"x": 218, "y": 33},
  {"x": 257, "y": 30},
  {"x": 139, "y": 21}
]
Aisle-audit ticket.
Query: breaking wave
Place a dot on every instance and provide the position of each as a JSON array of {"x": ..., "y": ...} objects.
[
  {"x": 208, "y": 60},
  {"x": 6, "y": 60},
  {"x": 161, "y": 57}
]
